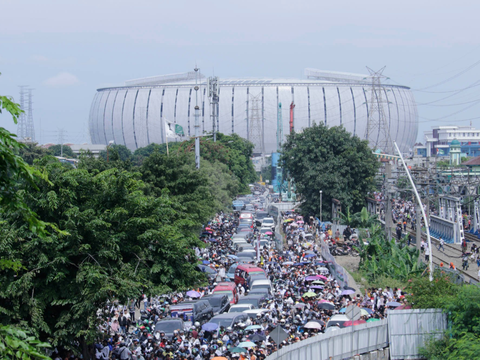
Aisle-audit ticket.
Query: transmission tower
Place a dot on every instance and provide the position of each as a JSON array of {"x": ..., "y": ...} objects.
[
  {"x": 22, "y": 120},
  {"x": 30, "y": 128},
  {"x": 378, "y": 132},
  {"x": 256, "y": 135},
  {"x": 213, "y": 95}
]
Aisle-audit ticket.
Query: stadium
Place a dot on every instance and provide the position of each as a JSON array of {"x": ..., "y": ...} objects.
[{"x": 134, "y": 115}]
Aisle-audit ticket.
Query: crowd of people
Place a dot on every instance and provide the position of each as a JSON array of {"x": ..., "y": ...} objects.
[{"x": 305, "y": 297}]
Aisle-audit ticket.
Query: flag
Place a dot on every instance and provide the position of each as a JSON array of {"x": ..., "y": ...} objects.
[
  {"x": 179, "y": 130},
  {"x": 168, "y": 130}
]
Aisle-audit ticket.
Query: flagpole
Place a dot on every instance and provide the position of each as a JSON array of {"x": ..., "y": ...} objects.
[{"x": 166, "y": 138}]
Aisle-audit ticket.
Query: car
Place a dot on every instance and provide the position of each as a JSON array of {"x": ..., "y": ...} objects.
[
  {"x": 262, "y": 284},
  {"x": 231, "y": 271},
  {"x": 268, "y": 222},
  {"x": 211, "y": 274},
  {"x": 169, "y": 325},
  {"x": 337, "y": 320},
  {"x": 259, "y": 216},
  {"x": 219, "y": 302},
  {"x": 248, "y": 255},
  {"x": 248, "y": 221},
  {"x": 264, "y": 230},
  {"x": 260, "y": 291},
  {"x": 228, "y": 288},
  {"x": 246, "y": 248},
  {"x": 243, "y": 271},
  {"x": 229, "y": 319},
  {"x": 193, "y": 311},
  {"x": 255, "y": 276},
  {"x": 240, "y": 308},
  {"x": 253, "y": 312},
  {"x": 256, "y": 300}
]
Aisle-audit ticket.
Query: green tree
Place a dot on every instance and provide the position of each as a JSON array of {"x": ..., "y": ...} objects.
[
  {"x": 117, "y": 152},
  {"x": 117, "y": 244},
  {"x": 331, "y": 160},
  {"x": 31, "y": 152},
  {"x": 56, "y": 150}
]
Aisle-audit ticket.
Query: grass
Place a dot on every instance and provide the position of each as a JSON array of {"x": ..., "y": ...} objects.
[{"x": 381, "y": 281}]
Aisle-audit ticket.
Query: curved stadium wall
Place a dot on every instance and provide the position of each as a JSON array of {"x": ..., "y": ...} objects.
[{"x": 131, "y": 115}]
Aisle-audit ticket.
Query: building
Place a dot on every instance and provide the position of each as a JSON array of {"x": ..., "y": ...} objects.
[
  {"x": 133, "y": 114},
  {"x": 437, "y": 141},
  {"x": 455, "y": 153}
]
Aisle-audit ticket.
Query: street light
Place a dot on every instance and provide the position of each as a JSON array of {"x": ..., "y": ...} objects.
[
  {"x": 320, "y": 205},
  {"x": 111, "y": 142}
]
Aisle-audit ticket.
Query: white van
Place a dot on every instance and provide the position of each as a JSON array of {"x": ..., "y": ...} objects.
[{"x": 262, "y": 284}]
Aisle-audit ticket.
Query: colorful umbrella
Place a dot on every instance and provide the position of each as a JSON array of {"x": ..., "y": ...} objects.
[
  {"x": 393, "y": 304},
  {"x": 312, "y": 325},
  {"x": 356, "y": 322},
  {"x": 309, "y": 256},
  {"x": 193, "y": 294},
  {"x": 403, "y": 307},
  {"x": 364, "y": 312},
  {"x": 369, "y": 311},
  {"x": 209, "y": 326},
  {"x": 372, "y": 320},
  {"x": 246, "y": 344},
  {"x": 326, "y": 306},
  {"x": 318, "y": 282},
  {"x": 316, "y": 287},
  {"x": 309, "y": 294},
  {"x": 347, "y": 292},
  {"x": 253, "y": 327},
  {"x": 237, "y": 350}
]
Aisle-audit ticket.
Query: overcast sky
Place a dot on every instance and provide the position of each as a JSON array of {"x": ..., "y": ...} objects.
[{"x": 65, "y": 50}]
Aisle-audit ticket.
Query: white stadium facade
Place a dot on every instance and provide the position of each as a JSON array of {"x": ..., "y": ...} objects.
[{"x": 134, "y": 114}]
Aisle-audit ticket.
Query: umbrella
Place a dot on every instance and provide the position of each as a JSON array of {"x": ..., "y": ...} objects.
[
  {"x": 294, "y": 224},
  {"x": 253, "y": 327},
  {"x": 288, "y": 263},
  {"x": 208, "y": 228},
  {"x": 299, "y": 306},
  {"x": 347, "y": 292},
  {"x": 205, "y": 262},
  {"x": 238, "y": 350},
  {"x": 403, "y": 307},
  {"x": 369, "y": 311},
  {"x": 356, "y": 322},
  {"x": 310, "y": 278},
  {"x": 309, "y": 256},
  {"x": 300, "y": 221},
  {"x": 393, "y": 304},
  {"x": 326, "y": 306},
  {"x": 372, "y": 320},
  {"x": 364, "y": 312},
  {"x": 318, "y": 282},
  {"x": 268, "y": 233},
  {"x": 342, "y": 310},
  {"x": 219, "y": 358},
  {"x": 257, "y": 337},
  {"x": 288, "y": 220},
  {"x": 316, "y": 287},
  {"x": 309, "y": 294},
  {"x": 300, "y": 263},
  {"x": 312, "y": 325},
  {"x": 246, "y": 344},
  {"x": 233, "y": 257},
  {"x": 348, "y": 288},
  {"x": 193, "y": 294},
  {"x": 209, "y": 327}
]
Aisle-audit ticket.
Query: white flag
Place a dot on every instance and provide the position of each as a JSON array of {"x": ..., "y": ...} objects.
[{"x": 169, "y": 133}]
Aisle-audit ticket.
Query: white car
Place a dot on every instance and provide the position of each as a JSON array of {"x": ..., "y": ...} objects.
[
  {"x": 240, "y": 308},
  {"x": 268, "y": 222}
]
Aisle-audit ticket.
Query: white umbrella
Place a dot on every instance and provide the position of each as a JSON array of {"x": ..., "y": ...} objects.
[{"x": 312, "y": 325}]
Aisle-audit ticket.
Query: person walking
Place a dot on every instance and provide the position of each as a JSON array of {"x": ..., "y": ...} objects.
[
  {"x": 427, "y": 253},
  {"x": 441, "y": 242}
]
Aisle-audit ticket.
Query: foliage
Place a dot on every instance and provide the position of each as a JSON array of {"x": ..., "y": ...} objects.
[
  {"x": 117, "y": 243},
  {"x": 423, "y": 294},
  {"x": 464, "y": 347},
  {"x": 267, "y": 173},
  {"x": 116, "y": 152},
  {"x": 331, "y": 160},
  {"x": 31, "y": 152},
  {"x": 13, "y": 170},
  {"x": 231, "y": 150},
  {"x": 140, "y": 154},
  {"x": 19, "y": 344},
  {"x": 362, "y": 219},
  {"x": 387, "y": 258},
  {"x": 57, "y": 150}
]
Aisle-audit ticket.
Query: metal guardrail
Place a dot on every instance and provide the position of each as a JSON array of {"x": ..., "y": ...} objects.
[{"x": 339, "y": 344}]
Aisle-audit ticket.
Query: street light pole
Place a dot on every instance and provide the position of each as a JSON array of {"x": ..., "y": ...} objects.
[{"x": 320, "y": 205}]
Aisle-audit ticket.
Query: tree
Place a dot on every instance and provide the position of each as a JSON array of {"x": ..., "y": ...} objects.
[
  {"x": 19, "y": 344},
  {"x": 56, "y": 150},
  {"x": 118, "y": 243},
  {"x": 117, "y": 152},
  {"x": 31, "y": 152},
  {"x": 331, "y": 160}
]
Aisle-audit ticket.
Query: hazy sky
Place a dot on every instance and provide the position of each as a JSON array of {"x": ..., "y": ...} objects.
[{"x": 66, "y": 49}]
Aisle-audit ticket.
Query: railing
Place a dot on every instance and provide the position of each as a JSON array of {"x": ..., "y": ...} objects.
[{"x": 339, "y": 344}]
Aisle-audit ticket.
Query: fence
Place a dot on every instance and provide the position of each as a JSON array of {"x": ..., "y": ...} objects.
[
  {"x": 338, "y": 344},
  {"x": 408, "y": 330},
  {"x": 336, "y": 270}
]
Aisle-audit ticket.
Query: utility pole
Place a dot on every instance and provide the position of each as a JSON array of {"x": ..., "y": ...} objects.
[
  {"x": 256, "y": 136},
  {"x": 418, "y": 229},
  {"x": 61, "y": 139},
  {"x": 30, "y": 127},
  {"x": 321, "y": 205},
  {"x": 214, "y": 98},
  {"x": 279, "y": 128},
  {"x": 388, "y": 205},
  {"x": 197, "y": 125},
  {"x": 22, "y": 121}
]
